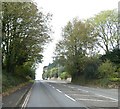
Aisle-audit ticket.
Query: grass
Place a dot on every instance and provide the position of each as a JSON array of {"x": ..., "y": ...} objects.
[
  {"x": 103, "y": 83},
  {"x": 13, "y": 89},
  {"x": 12, "y": 83}
]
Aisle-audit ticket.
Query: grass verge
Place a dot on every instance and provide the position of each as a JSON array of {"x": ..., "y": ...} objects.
[
  {"x": 12, "y": 83},
  {"x": 102, "y": 83}
]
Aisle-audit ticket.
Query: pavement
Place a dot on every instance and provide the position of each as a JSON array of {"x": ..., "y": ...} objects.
[{"x": 15, "y": 98}]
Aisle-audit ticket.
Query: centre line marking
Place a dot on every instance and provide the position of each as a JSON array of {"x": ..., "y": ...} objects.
[
  {"x": 53, "y": 87},
  {"x": 70, "y": 97},
  {"x": 59, "y": 90}
]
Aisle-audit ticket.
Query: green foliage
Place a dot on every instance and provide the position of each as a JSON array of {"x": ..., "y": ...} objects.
[
  {"x": 107, "y": 69},
  {"x": 25, "y": 71},
  {"x": 91, "y": 69},
  {"x": 114, "y": 53},
  {"x": 64, "y": 75},
  {"x": 104, "y": 82},
  {"x": 54, "y": 72},
  {"x": 25, "y": 30},
  {"x": 106, "y": 30},
  {"x": 115, "y": 79},
  {"x": 50, "y": 71},
  {"x": 9, "y": 81},
  {"x": 72, "y": 49},
  {"x": 79, "y": 49}
]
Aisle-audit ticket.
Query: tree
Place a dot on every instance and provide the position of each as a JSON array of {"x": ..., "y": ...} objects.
[
  {"x": 24, "y": 32},
  {"x": 106, "y": 30},
  {"x": 76, "y": 41},
  {"x": 109, "y": 56}
]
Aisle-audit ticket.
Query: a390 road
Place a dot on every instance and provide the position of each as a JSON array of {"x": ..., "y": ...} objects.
[{"x": 60, "y": 94}]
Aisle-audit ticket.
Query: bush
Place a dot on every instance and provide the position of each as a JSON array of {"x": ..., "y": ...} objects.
[
  {"x": 115, "y": 79},
  {"x": 54, "y": 72},
  {"x": 64, "y": 75},
  {"x": 9, "y": 81},
  {"x": 107, "y": 69},
  {"x": 104, "y": 82}
]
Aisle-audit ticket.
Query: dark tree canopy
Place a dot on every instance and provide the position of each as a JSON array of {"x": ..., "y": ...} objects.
[{"x": 25, "y": 30}]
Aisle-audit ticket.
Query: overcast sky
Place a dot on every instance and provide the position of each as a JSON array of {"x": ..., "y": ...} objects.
[{"x": 64, "y": 11}]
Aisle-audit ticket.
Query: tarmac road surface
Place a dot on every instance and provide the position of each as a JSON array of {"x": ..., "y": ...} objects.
[{"x": 48, "y": 93}]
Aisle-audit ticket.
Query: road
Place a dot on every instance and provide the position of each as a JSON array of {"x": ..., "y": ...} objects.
[{"x": 60, "y": 94}]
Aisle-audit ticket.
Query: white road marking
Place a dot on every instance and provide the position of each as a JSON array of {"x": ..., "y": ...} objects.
[
  {"x": 53, "y": 87},
  {"x": 59, "y": 90},
  {"x": 93, "y": 100},
  {"x": 80, "y": 95},
  {"x": 83, "y": 90},
  {"x": 100, "y": 95},
  {"x": 106, "y": 97},
  {"x": 19, "y": 99},
  {"x": 26, "y": 100},
  {"x": 70, "y": 97},
  {"x": 72, "y": 87}
]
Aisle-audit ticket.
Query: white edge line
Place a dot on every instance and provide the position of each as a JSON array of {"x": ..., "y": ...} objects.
[
  {"x": 70, "y": 97},
  {"x": 94, "y": 100},
  {"x": 100, "y": 95},
  {"x": 19, "y": 99},
  {"x": 106, "y": 97},
  {"x": 26, "y": 100},
  {"x": 59, "y": 90}
]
